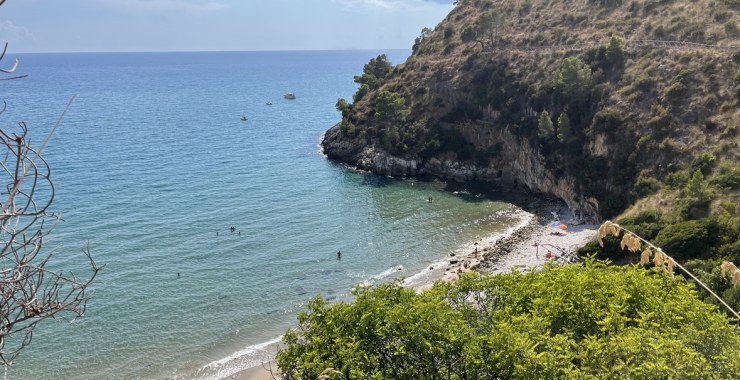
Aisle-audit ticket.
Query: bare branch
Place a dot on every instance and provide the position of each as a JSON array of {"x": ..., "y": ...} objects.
[
  {"x": 15, "y": 77},
  {"x": 30, "y": 290},
  {"x": 15, "y": 65},
  {"x": 12, "y": 69}
]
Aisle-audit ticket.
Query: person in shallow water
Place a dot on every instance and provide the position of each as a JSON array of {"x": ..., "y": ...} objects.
[{"x": 339, "y": 255}]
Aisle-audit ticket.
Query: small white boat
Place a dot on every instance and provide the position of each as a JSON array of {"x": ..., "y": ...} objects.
[
  {"x": 244, "y": 117},
  {"x": 289, "y": 95}
]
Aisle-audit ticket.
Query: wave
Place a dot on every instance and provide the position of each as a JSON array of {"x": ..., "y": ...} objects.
[{"x": 250, "y": 357}]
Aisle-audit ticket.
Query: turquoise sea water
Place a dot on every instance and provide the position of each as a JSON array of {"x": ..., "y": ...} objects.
[{"x": 153, "y": 166}]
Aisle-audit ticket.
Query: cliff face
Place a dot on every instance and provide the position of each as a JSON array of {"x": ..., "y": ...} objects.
[
  {"x": 575, "y": 99},
  {"x": 519, "y": 167}
]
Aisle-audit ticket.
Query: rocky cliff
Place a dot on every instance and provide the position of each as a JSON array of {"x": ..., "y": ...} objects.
[{"x": 596, "y": 103}]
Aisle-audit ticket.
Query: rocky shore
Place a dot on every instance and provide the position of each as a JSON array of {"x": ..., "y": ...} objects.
[{"x": 546, "y": 234}]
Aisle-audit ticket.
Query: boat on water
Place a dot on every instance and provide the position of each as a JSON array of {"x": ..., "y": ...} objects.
[
  {"x": 290, "y": 95},
  {"x": 244, "y": 117},
  {"x": 268, "y": 103}
]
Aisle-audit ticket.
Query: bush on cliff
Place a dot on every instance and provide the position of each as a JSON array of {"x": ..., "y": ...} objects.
[{"x": 576, "y": 321}]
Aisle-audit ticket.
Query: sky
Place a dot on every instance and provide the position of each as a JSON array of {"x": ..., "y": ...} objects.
[{"x": 215, "y": 25}]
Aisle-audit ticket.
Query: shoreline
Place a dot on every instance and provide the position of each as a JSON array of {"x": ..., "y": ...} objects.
[{"x": 524, "y": 247}]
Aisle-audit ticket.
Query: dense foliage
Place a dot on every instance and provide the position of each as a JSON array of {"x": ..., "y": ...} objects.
[
  {"x": 701, "y": 243},
  {"x": 577, "y": 321}
]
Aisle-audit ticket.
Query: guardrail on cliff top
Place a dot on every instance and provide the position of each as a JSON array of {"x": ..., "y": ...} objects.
[{"x": 628, "y": 44}]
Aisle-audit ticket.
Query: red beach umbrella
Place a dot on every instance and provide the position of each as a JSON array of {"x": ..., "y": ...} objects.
[{"x": 563, "y": 227}]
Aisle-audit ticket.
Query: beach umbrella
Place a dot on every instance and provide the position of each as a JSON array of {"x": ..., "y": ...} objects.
[{"x": 563, "y": 227}]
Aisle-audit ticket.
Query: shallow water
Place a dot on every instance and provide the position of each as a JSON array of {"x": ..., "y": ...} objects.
[{"x": 153, "y": 166}]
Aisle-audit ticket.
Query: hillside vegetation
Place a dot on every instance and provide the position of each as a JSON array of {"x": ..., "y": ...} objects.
[
  {"x": 623, "y": 109},
  {"x": 567, "y": 82}
]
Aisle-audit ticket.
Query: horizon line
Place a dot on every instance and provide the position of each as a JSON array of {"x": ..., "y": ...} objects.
[{"x": 204, "y": 51}]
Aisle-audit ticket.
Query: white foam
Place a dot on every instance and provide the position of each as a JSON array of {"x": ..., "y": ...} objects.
[
  {"x": 387, "y": 273},
  {"x": 378, "y": 277},
  {"x": 249, "y": 357}
]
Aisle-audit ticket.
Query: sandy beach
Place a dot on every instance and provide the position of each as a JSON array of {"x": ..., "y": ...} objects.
[{"x": 548, "y": 233}]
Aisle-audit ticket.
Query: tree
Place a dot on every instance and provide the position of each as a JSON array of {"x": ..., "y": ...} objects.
[
  {"x": 425, "y": 32},
  {"x": 389, "y": 108},
  {"x": 545, "y": 128},
  {"x": 491, "y": 21},
  {"x": 344, "y": 107},
  {"x": 573, "y": 80},
  {"x": 589, "y": 320},
  {"x": 373, "y": 75},
  {"x": 31, "y": 290},
  {"x": 471, "y": 33},
  {"x": 615, "y": 51},
  {"x": 565, "y": 131},
  {"x": 374, "y": 72},
  {"x": 486, "y": 26},
  {"x": 695, "y": 196}
]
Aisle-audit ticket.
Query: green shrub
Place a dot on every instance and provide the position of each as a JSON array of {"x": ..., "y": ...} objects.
[
  {"x": 727, "y": 177},
  {"x": 390, "y": 138},
  {"x": 344, "y": 107},
  {"x": 390, "y": 108},
  {"x": 645, "y": 185},
  {"x": 728, "y": 233},
  {"x": 704, "y": 163},
  {"x": 695, "y": 197},
  {"x": 575, "y": 321},
  {"x": 361, "y": 92},
  {"x": 710, "y": 273},
  {"x": 690, "y": 239},
  {"x": 645, "y": 83},
  {"x": 677, "y": 179},
  {"x": 347, "y": 128},
  {"x": 608, "y": 119},
  {"x": 449, "y": 32},
  {"x": 646, "y": 224},
  {"x": 675, "y": 93},
  {"x": 678, "y": 88}
]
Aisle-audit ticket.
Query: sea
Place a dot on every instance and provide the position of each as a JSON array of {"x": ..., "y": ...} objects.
[{"x": 215, "y": 231}]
